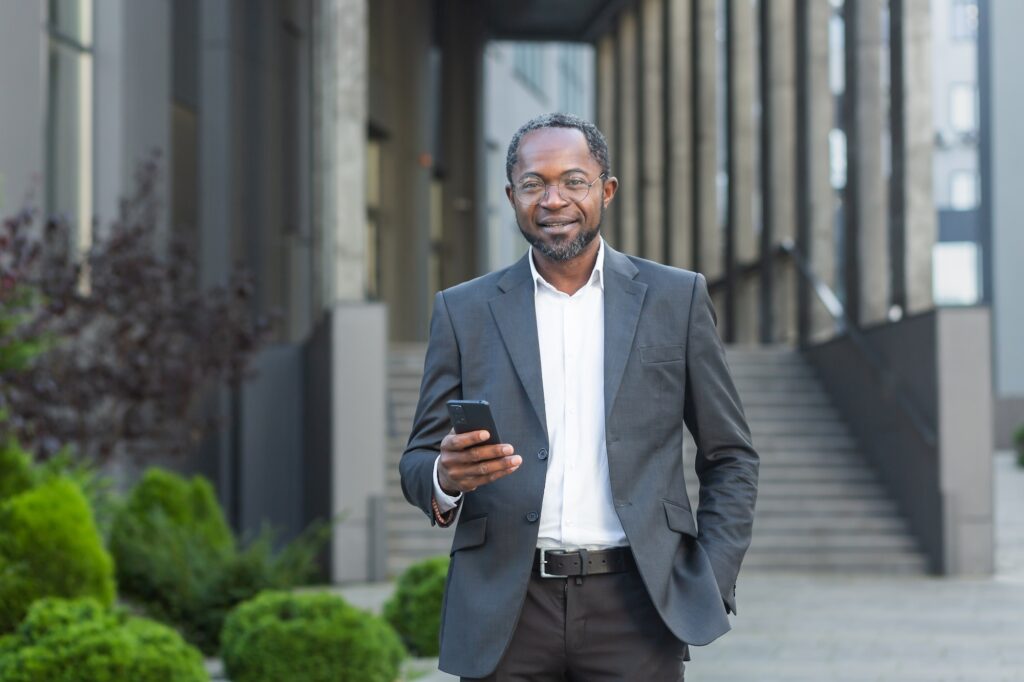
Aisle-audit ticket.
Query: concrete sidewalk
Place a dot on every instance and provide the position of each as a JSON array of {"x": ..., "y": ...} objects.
[{"x": 834, "y": 628}]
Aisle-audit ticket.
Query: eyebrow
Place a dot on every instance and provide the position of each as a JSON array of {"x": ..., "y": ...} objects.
[{"x": 564, "y": 173}]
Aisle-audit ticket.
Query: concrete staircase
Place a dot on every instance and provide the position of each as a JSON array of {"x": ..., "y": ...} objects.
[
  {"x": 410, "y": 535},
  {"x": 820, "y": 507}
]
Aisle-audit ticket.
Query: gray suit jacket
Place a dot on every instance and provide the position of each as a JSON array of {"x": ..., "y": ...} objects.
[{"x": 664, "y": 366}]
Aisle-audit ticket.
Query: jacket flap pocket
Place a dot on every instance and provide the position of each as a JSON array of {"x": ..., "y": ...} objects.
[
  {"x": 469, "y": 533},
  {"x": 680, "y": 519},
  {"x": 651, "y": 354}
]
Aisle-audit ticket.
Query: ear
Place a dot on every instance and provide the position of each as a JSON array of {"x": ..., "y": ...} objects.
[
  {"x": 511, "y": 198},
  {"x": 608, "y": 189}
]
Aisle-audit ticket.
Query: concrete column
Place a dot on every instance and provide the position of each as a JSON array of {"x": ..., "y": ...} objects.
[
  {"x": 215, "y": 146},
  {"x": 742, "y": 144},
  {"x": 358, "y": 429},
  {"x": 821, "y": 250},
  {"x": 1004, "y": 174},
  {"x": 705, "y": 167},
  {"x": 963, "y": 356},
  {"x": 867, "y": 244},
  {"x": 653, "y": 172},
  {"x": 22, "y": 71},
  {"x": 778, "y": 185},
  {"x": 464, "y": 202},
  {"x": 339, "y": 130},
  {"x": 919, "y": 215},
  {"x": 132, "y": 80},
  {"x": 607, "y": 95},
  {"x": 679, "y": 128},
  {"x": 401, "y": 111},
  {"x": 630, "y": 190}
]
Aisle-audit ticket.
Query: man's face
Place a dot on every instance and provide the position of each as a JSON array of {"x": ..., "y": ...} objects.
[{"x": 559, "y": 228}]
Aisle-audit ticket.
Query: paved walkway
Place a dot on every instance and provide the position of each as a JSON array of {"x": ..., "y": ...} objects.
[{"x": 833, "y": 628}]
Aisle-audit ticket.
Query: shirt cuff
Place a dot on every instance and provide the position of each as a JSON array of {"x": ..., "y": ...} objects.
[{"x": 445, "y": 502}]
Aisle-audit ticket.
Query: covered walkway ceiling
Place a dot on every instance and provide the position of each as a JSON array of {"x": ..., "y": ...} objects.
[{"x": 564, "y": 20}]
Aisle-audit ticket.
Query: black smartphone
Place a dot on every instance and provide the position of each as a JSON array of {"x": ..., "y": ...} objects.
[{"x": 473, "y": 415}]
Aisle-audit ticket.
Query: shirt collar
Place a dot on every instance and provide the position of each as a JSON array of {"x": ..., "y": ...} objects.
[{"x": 596, "y": 275}]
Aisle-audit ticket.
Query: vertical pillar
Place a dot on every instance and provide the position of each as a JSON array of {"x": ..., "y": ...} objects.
[
  {"x": 866, "y": 250},
  {"x": 708, "y": 238},
  {"x": 742, "y": 247},
  {"x": 813, "y": 189},
  {"x": 679, "y": 84},
  {"x": 653, "y": 128},
  {"x": 919, "y": 218},
  {"x": 462, "y": 53},
  {"x": 779, "y": 137},
  {"x": 400, "y": 108},
  {"x": 339, "y": 128},
  {"x": 628, "y": 227},
  {"x": 607, "y": 95}
]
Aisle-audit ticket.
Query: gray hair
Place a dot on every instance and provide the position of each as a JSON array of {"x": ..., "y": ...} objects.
[{"x": 595, "y": 140}]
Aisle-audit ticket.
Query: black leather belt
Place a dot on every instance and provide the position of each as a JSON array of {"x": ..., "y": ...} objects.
[{"x": 557, "y": 563}]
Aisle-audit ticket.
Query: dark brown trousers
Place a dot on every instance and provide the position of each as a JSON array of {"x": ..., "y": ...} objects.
[{"x": 600, "y": 628}]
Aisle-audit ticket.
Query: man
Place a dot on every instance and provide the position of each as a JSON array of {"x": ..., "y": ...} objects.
[{"x": 576, "y": 555}]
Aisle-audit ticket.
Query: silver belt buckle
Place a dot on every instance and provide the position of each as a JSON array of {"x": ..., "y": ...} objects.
[{"x": 543, "y": 564}]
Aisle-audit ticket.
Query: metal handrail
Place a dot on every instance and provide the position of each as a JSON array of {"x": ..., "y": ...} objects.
[{"x": 889, "y": 379}]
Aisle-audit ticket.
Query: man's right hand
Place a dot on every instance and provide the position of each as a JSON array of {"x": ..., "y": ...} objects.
[{"x": 465, "y": 465}]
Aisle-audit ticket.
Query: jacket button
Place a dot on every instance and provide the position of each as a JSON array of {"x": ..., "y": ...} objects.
[
  {"x": 542, "y": 454},
  {"x": 532, "y": 517}
]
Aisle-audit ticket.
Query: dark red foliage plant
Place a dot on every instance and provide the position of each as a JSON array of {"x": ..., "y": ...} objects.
[{"x": 130, "y": 343}]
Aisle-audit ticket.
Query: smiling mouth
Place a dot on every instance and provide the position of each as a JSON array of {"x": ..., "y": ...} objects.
[{"x": 557, "y": 227}]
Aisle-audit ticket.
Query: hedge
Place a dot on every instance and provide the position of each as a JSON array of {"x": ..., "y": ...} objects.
[
  {"x": 49, "y": 546},
  {"x": 312, "y": 637},
  {"x": 82, "y": 641},
  {"x": 414, "y": 610}
]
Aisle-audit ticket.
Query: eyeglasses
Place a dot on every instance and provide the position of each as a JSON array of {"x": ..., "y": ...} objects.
[{"x": 574, "y": 188}]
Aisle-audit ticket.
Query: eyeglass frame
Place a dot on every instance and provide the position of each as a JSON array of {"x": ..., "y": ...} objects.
[{"x": 544, "y": 194}]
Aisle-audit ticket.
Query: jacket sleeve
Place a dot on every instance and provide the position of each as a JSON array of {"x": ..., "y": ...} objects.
[
  {"x": 726, "y": 462},
  {"x": 442, "y": 381}
]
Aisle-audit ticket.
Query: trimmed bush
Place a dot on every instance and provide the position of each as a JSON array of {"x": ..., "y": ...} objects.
[
  {"x": 81, "y": 641},
  {"x": 312, "y": 637},
  {"x": 16, "y": 474},
  {"x": 1018, "y": 444},
  {"x": 177, "y": 558},
  {"x": 49, "y": 547},
  {"x": 414, "y": 610}
]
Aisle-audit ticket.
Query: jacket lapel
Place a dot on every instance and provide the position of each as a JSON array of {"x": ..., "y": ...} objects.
[
  {"x": 623, "y": 299},
  {"x": 516, "y": 316}
]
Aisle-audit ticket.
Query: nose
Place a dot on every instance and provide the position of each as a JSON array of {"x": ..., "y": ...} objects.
[{"x": 552, "y": 197}]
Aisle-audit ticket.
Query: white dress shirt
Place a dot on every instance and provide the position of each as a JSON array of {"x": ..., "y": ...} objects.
[{"x": 577, "y": 510}]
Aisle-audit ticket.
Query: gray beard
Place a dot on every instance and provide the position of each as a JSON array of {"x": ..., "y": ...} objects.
[{"x": 564, "y": 250}]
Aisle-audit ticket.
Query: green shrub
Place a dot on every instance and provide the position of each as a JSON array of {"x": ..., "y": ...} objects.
[
  {"x": 308, "y": 638},
  {"x": 16, "y": 474},
  {"x": 414, "y": 610},
  {"x": 177, "y": 558},
  {"x": 81, "y": 641},
  {"x": 49, "y": 546},
  {"x": 1018, "y": 442}
]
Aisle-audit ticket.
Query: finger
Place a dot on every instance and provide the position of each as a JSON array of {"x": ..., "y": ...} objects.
[
  {"x": 484, "y": 452},
  {"x": 474, "y": 473},
  {"x": 461, "y": 441}
]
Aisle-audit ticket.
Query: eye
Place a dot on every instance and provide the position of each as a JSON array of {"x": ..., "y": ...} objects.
[
  {"x": 529, "y": 186},
  {"x": 572, "y": 183}
]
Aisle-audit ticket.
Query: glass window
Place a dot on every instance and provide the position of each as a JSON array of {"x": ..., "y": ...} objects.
[
  {"x": 963, "y": 190},
  {"x": 955, "y": 273},
  {"x": 963, "y": 107},
  {"x": 528, "y": 64},
  {"x": 964, "y": 19}
]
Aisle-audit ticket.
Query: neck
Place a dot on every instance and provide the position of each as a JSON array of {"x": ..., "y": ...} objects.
[{"x": 571, "y": 275}]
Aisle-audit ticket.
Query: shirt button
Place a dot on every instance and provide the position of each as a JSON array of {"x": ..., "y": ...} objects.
[
  {"x": 542, "y": 454},
  {"x": 532, "y": 516}
]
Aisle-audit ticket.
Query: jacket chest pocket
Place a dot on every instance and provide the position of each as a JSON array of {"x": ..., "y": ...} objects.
[{"x": 656, "y": 355}]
